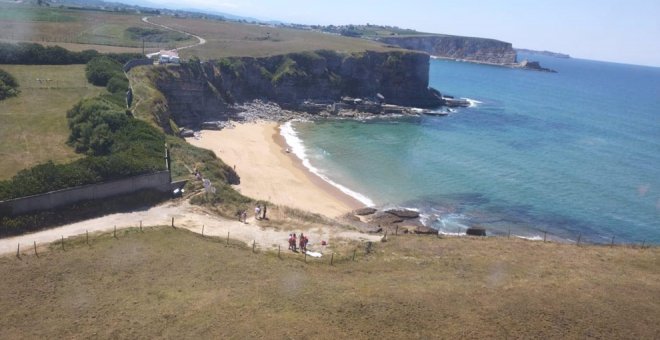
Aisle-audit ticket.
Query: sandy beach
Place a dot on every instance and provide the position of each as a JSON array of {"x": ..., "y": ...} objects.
[{"x": 268, "y": 172}]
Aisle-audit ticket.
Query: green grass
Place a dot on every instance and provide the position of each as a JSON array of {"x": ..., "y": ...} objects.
[
  {"x": 85, "y": 28},
  {"x": 13, "y": 13},
  {"x": 33, "y": 126},
  {"x": 171, "y": 283}
]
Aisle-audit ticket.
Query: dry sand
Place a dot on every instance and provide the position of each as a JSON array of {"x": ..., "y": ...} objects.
[{"x": 268, "y": 172}]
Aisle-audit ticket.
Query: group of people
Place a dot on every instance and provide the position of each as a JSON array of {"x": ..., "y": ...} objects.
[{"x": 302, "y": 241}]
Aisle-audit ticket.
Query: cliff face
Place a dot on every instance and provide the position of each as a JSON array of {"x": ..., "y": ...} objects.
[
  {"x": 467, "y": 48},
  {"x": 198, "y": 91}
]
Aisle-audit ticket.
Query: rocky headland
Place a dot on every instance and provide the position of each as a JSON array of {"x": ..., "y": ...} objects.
[
  {"x": 471, "y": 49},
  {"x": 481, "y": 50},
  {"x": 320, "y": 81}
]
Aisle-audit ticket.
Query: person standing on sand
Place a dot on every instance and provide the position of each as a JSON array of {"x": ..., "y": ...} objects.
[
  {"x": 257, "y": 212},
  {"x": 264, "y": 216},
  {"x": 244, "y": 215}
]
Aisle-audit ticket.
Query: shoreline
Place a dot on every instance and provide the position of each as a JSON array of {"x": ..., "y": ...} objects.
[
  {"x": 315, "y": 179},
  {"x": 267, "y": 172}
]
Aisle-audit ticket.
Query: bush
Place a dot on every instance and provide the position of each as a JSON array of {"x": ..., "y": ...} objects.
[
  {"x": 92, "y": 122},
  {"x": 8, "y": 85},
  {"x": 35, "y": 54},
  {"x": 118, "y": 84},
  {"x": 100, "y": 69}
]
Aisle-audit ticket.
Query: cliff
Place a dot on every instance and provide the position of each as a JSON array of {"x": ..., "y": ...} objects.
[
  {"x": 480, "y": 50},
  {"x": 198, "y": 91}
]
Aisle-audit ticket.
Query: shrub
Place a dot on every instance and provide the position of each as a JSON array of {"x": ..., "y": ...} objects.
[
  {"x": 8, "y": 85},
  {"x": 100, "y": 69},
  {"x": 35, "y": 54}
]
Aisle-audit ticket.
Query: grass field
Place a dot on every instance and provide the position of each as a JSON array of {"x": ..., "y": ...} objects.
[
  {"x": 78, "y": 30},
  {"x": 75, "y": 27},
  {"x": 167, "y": 283},
  {"x": 235, "y": 39},
  {"x": 33, "y": 126}
]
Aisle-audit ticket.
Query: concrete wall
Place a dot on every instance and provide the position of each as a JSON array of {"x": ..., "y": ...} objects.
[
  {"x": 137, "y": 62},
  {"x": 158, "y": 181}
]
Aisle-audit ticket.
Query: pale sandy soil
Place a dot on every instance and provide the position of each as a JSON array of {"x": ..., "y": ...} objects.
[
  {"x": 269, "y": 173},
  {"x": 188, "y": 217}
]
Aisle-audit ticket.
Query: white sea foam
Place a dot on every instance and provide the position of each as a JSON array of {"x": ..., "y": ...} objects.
[
  {"x": 531, "y": 238},
  {"x": 298, "y": 149},
  {"x": 473, "y": 102}
]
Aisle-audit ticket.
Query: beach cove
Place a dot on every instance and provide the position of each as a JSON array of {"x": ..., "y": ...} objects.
[{"x": 259, "y": 154}]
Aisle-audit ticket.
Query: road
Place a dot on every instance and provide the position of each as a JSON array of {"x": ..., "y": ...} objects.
[{"x": 201, "y": 41}]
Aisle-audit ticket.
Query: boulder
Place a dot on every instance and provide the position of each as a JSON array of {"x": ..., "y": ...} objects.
[
  {"x": 475, "y": 231},
  {"x": 385, "y": 219},
  {"x": 365, "y": 211},
  {"x": 425, "y": 231},
  {"x": 186, "y": 133},
  {"x": 403, "y": 213}
]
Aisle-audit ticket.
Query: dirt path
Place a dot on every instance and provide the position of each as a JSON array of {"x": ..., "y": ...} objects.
[
  {"x": 201, "y": 40},
  {"x": 185, "y": 216}
]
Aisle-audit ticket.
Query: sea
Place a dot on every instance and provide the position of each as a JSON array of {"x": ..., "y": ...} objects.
[{"x": 566, "y": 155}]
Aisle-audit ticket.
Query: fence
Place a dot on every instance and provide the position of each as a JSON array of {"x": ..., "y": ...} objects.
[
  {"x": 31, "y": 245},
  {"x": 159, "y": 181},
  {"x": 357, "y": 253}
]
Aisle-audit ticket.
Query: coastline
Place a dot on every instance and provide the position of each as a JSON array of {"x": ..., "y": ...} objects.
[{"x": 268, "y": 173}]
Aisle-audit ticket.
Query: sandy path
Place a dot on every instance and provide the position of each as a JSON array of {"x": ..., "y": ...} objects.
[
  {"x": 267, "y": 172},
  {"x": 185, "y": 216}
]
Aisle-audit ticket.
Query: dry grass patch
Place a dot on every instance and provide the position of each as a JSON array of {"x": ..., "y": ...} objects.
[
  {"x": 235, "y": 39},
  {"x": 33, "y": 125},
  {"x": 172, "y": 283}
]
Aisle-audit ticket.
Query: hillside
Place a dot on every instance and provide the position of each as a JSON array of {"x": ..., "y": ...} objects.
[{"x": 173, "y": 283}]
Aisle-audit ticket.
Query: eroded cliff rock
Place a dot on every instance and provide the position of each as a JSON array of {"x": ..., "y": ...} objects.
[
  {"x": 480, "y": 50},
  {"x": 201, "y": 91}
]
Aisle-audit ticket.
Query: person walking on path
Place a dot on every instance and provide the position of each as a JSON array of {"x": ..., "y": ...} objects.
[{"x": 244, "y": 215}]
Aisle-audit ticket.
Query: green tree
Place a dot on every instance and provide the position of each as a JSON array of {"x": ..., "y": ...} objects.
[{"x": 8, "y": 85}]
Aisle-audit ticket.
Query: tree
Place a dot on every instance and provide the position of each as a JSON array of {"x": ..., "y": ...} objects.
[{"x": 8, "y": 85}]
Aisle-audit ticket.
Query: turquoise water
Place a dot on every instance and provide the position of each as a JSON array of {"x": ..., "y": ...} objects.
[{"x": 571, "y": 153}]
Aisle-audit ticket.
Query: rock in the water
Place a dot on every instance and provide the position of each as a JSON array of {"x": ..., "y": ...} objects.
[
  {"x": 476, "y": 231},
  {"x": 403, "y": 213},
  {"x": 365, "y": 211}
]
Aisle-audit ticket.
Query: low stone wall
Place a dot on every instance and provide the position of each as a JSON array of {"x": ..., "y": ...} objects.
[
  {"x": 158, "y": 181},
  {"x": 137, "y": 62}
]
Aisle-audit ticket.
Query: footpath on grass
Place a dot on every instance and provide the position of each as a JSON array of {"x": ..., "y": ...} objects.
[{"x": 188, "y": 217}]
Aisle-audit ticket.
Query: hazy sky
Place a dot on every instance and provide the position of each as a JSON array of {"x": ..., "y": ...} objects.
[{"x": 620, "y": 31}]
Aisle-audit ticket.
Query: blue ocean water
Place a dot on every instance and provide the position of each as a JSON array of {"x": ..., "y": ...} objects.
[{"x": 572, "y": 153}]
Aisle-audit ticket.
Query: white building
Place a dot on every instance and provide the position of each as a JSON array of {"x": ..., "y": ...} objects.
[{"x": 168, "y": 57}]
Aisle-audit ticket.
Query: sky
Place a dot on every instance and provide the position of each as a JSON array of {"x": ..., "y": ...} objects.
[{"x": 608, "y": 30}]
